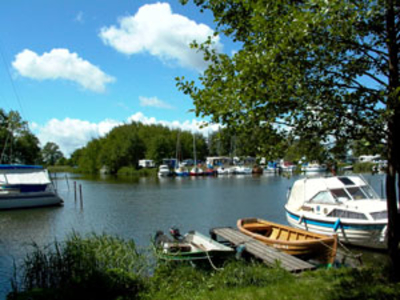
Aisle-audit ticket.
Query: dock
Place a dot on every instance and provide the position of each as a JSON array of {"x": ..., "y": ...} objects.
[{"x": 269, "y": 255}]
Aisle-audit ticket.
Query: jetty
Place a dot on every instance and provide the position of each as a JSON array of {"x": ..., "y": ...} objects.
[{"x": 269, "y": 255}]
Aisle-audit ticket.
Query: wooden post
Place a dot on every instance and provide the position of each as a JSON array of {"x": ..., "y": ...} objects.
[
  {"x": 75, "y": 190},
  {"x": 80, "y": 195}
]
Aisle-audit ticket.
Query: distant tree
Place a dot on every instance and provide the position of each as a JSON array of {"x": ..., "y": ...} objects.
[{"x": 51, "y": 153}]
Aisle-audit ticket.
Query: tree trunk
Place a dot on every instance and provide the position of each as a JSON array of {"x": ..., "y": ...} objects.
[{"x": 393, "y": 108}]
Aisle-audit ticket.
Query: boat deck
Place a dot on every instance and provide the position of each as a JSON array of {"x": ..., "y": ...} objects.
[{"x": 269, "y": 255}]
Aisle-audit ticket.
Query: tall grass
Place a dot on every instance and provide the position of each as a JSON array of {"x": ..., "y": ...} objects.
[{"x": 97, "y": 267}]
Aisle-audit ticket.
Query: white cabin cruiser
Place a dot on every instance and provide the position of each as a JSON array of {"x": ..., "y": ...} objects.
[
  {"x": 342, "y": 205},
  {"x": 23, "y": 186},
  {"x": 164, "y": 170}
]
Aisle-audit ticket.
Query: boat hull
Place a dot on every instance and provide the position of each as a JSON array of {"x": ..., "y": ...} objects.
[
  {"x": 193, "y": 247},
  {"x": 29, "y": 200},
  {"x": 369, "y": 235},
  {"x": 290, "y": 240}
]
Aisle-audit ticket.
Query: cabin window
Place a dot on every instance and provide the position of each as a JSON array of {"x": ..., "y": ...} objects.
[
  {"x": 340, "y": 195},
  {"x": 356, "y": 193},
  {"x": 323, "y": 197},
  {"x": 380, "y": 215},
  {"x": 344, "y": 214}
]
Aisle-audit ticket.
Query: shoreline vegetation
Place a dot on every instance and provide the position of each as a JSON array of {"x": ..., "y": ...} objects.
[
  {"x": 365, "y": 167},
  {"x": 109, "y": 267}
]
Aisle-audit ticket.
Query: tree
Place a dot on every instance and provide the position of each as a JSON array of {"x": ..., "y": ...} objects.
[
  {"x": 51, "y": 153},
  {"x": 328, "y": 68},
  {"x": 19, "y": 145}
]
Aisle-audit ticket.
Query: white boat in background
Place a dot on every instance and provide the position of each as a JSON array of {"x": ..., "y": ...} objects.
[
  {"x": 223, "y": 171},
  {"x": 314, "y": 167},
  {"x": 23, "y": 186},
  {"x": 196, "y": 171},
  {"x": 242, "y": 170},
  {"x": 342, "y": 205},
  {"x": 164, "y": 170}
]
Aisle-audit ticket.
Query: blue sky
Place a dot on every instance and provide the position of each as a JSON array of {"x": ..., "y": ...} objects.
[{"x": 75, "y": 69}]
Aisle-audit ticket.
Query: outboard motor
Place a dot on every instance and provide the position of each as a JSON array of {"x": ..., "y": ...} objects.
[{"x": 175, "y": 233}]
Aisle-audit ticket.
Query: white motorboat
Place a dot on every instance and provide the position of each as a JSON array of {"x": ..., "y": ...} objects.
[
  {"x": 223, "y": 170},
  {"x": 242, "y": 170},
  {"x": 23, "y": 186},
  {"x": 314, "y": 167},
  {"x": 342, "y": 205},
  {"x": 164, "y": 170}
]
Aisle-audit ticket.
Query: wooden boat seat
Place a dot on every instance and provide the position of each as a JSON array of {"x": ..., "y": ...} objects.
[{"x": 259, "y": 228}]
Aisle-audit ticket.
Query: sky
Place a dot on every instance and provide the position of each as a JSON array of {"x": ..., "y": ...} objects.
[{"x": 75, "y": 69}]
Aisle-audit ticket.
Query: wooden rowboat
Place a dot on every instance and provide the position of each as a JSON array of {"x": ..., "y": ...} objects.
[{"x": 293, "y": 241}]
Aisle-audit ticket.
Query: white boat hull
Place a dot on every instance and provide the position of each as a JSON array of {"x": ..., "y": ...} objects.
[
  {"x": 28, "y": 200},
  {"x": 370, "y": 235}
]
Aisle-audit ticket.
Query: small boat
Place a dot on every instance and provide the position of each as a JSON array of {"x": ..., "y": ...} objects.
[
  {"x": 241, "y": 170},
  {"x": 313, "y": 167},
  {"x": 181, "y": 171},
  {"x": 223, "y": 170},
  {"x": 164, "y": 171},
  {"x": 346, "y": 205},
  {"x": 272, "y": 167},
  {"x": 25, "y": 186},
  {"x": 196, "y": 171},
  {"x": 192, "y": 246},
  {"x": 297, "y": 242}
]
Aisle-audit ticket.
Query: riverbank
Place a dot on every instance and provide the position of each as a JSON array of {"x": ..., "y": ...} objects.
[{"x": 109, "y": 267}]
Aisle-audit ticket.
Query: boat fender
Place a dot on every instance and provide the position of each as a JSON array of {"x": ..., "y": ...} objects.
[
  {"x": 239, "y": 250},
  {"x": 337, "y": 225}
]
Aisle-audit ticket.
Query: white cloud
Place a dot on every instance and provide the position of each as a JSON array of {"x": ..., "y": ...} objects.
[
  {"x": 158, "y": 31},
  {"x": 71, "y": 134},
  {"x": 61, "y": 64},
  {"x": 154, "y": 102}
]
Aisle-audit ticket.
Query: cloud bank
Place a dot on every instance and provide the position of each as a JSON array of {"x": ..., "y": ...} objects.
[
  {"x": 156, "y": 30},
  {"x": 71, "y": 134},
  {"x": 61, "y": 64}
]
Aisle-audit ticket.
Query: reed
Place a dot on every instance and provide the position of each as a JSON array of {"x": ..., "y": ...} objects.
[{"x": 96, "y": 267}]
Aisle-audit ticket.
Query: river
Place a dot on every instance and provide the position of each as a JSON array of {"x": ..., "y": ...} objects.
[{"x": 135, "y": 208}]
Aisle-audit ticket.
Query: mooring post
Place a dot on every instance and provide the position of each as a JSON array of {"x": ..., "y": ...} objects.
[
  {"x": 75, "y": 190},
  {"x": 80, "y": 195}
]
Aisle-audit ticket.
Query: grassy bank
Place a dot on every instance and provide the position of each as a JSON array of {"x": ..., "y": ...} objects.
[{"x": 105, "y": 267}]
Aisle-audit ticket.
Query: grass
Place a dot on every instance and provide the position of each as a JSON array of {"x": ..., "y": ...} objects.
[{"x": 106, "y": 267}]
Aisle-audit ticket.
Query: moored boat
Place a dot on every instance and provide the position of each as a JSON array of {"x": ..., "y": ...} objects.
[
  {"x": 24, "y": 186},
  {"x": 307, "y": 245},
  {"x": 192, "y": 246},
  {"x": 346, "y": 205},
  {"x": 164, "y": 170}
]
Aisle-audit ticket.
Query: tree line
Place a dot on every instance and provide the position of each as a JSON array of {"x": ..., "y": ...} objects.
[{"x": 125, "y": 145}]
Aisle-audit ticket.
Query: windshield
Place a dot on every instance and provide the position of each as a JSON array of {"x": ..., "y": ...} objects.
[
  {"x": 340, "y": 195},
  {"x": 356, "y": 193}
]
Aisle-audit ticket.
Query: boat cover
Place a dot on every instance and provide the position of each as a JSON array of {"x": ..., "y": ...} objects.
[{"x": 24, "y": 176}]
